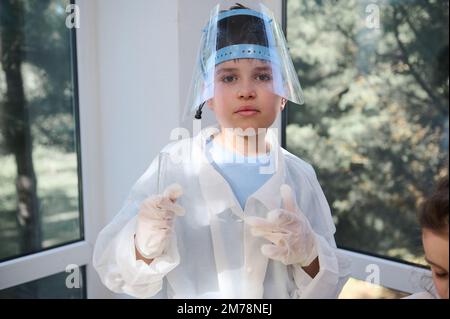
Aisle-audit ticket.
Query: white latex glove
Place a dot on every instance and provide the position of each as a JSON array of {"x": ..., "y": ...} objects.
[
  {"x": 155, "y": 222},
  {"x": 293, "y": 240}
]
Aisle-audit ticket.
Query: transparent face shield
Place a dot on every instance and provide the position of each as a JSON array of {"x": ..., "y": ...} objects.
[{"x": 242, "y": 46}]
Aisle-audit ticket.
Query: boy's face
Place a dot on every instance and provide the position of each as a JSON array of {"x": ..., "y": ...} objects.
[
  {"x": 436, "y": 254},
  {"x": 243, "y": 95}
]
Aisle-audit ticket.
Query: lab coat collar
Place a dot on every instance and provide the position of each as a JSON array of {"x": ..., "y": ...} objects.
[
  {"x": 217, "y": 192},
  {"x": 269, "y": 194}
]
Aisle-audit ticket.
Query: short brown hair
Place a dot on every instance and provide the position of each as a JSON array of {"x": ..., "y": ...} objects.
[
  {"x": 238, "y": 6},
  {"x": 434, "y": 212}
]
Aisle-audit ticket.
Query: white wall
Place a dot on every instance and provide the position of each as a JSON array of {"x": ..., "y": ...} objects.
[{"x": 138, "y": 88}]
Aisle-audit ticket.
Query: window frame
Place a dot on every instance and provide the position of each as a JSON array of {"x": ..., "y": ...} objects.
[{"x": 51, "y": 261}]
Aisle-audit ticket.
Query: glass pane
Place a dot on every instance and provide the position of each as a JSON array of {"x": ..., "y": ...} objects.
[
  {"x": 58, "y": 286},
  {"x": 375, "y": 123},
  {"x": 39, "y": 183}
]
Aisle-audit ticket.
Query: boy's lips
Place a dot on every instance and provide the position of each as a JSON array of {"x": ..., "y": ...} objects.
[{"x": 247, "y": 111}]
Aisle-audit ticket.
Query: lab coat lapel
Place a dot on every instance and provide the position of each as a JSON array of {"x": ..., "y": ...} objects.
[
  {"x": 219, "y": 198},
  {"x": 263, "y": 200},
  {"x": 215, "y": 190},
  {"x": 269, "y": 193}
]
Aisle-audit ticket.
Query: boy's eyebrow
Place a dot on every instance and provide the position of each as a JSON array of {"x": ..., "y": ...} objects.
[
  {"x": 263, "y": 68},
  {"x": 258, "y": 68},
  {"x": 226, "y": 70},
  {"x": 434, "y": 264}
]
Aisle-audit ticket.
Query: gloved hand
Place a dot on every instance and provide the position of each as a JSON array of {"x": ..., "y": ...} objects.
[
  {"x": 155, "y": 222},
  {"x": 293, "y": 239}
]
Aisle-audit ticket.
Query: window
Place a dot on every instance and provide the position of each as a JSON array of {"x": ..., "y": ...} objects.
[
  {"x": 41, "y": 202},
  {"x": 375, "y": 122},
  {"x": 39, "y": 180}
]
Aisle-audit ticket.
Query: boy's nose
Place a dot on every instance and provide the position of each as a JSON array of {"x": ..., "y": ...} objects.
[{"x": 246, "y": 91}]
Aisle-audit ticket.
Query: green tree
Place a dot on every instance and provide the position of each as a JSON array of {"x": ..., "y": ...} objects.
[
  {"x": 33, "y": 35},
  {"x": 15, "y": 119},
  {"x": 375, "y": 123}
]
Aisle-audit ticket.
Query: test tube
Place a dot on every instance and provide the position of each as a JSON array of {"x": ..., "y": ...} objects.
[{"x": 163, "y": 159}]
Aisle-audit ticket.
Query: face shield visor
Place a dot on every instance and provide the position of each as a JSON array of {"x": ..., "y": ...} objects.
[{"x": 234, "y": 34}]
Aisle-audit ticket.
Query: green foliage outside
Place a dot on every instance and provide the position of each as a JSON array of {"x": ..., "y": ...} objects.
[
  {"x": 47, "y": 76},
  {"x": 375, "y": 122}
]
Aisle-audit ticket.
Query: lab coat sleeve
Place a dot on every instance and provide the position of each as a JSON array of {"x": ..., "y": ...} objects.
[
  {"x": 332, "y": 276},
  {"x": 114, "y": 253},
  {"x": 122, "y": 273}
]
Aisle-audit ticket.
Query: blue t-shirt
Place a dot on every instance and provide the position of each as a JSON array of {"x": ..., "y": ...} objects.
[{"x": 243, "y": 173}]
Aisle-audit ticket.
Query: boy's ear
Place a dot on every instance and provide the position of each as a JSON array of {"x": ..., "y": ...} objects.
[
  {"x": 283, "y": 103},
  {"x": 210, "y": 104}
]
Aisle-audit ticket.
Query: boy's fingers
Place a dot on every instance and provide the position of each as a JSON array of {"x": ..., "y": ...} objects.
[
  {"x": 273, "y": 251},
  {"x": 258, "y": 223},
  {"x": 169, "y": 206},
  {"x": 173, "y": 191},
  {"x": 288, "y": 197},
  {"x": 261, "y": 227},
  {"x": 274, "y": 237}
]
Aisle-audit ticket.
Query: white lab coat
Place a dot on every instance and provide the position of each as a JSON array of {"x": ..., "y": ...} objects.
[{"x": 212, "y": 253}]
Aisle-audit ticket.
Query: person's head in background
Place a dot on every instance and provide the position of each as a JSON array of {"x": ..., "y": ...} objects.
[{"x": 433, "y": 219}]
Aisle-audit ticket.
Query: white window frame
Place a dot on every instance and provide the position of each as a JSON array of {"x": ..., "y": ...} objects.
[
  {"x": 52, "y": 261},
  {"x": 394, "y": 275},
  {"x": 391, "y": 274}
]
